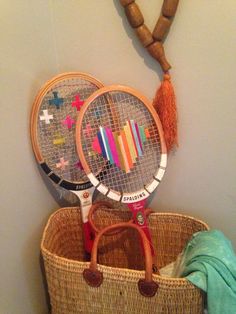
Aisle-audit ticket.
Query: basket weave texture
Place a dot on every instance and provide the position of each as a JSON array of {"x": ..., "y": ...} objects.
[{"x": 121, "y": 261}]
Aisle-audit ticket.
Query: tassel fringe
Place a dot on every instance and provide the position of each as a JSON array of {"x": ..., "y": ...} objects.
[{"x": 165, "y": 106}]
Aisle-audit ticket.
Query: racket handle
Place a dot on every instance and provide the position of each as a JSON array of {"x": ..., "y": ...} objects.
[
  {"x": 88, "y": 237},
  {"x": 140, "y": 219},
  {"x": 85, "y": 197}
]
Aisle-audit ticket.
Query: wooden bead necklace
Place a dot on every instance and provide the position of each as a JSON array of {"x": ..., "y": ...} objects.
[
  {"x": 153, "y": 42},
  {"x": 164, "y": 101}
]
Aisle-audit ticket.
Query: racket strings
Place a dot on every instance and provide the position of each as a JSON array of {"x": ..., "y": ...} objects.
[
  {"x": 56, "y": 140},
  {"x": 125, "y": 108}
]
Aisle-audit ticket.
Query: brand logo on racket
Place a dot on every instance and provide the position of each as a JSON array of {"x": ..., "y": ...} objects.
[
  {"x": 121, "y": 148},
  {"x": 85, "y": 195},
  {"x": 134, "y": 198},
  {"x": 140, "y": 218}
]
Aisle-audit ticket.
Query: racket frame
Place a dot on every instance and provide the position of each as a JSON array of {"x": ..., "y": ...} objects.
[
  {"x": 83, "y": 190},
  {"x": 134, "y": 200},
  {"x": 141, "y": 194}
]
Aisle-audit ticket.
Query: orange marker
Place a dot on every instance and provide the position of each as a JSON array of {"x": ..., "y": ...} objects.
[
  {"x": 122, "y": 149},
  {"x": 127, "y": 152},
  {"x": 122, "y": 165},
  {"x": 147, "y": 133},
  {"x": 130, "y": 142}
]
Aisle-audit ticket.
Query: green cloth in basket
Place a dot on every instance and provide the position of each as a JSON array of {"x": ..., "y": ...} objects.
[{"x": 209, "y": 262}]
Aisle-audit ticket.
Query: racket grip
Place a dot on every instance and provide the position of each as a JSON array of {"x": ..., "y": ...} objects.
[
  {"x": 140, "y": 219},
  {"x": 88, "y": 237},
  {"x": 146, "y": 230}
]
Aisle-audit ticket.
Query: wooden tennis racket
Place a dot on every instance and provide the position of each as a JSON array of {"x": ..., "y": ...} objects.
[
  {"x": 53, "y": 118},
  {"x": 126, "y": 141}
]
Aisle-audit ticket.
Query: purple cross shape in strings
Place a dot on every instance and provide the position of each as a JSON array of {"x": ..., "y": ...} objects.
[{"x": 68, "y": 122}]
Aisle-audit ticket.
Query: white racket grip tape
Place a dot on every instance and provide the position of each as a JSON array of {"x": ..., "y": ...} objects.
[
  {"x": 102, "y": 188},
  {"x": 163, "y": 162},
  {"x": 160, "y": 173},
  {"x": 114, "y": 195},
  {"x": 152, "y": 186},
  {"x": 93, "y": 179},
  {"x": 86, "y": 198},
  {"x": 162, "y": 167}
]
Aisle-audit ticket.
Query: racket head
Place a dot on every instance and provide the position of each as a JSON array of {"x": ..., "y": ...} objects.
[
  {"x": 118, "y": 106},
  {"x": 52, "y": 127}
]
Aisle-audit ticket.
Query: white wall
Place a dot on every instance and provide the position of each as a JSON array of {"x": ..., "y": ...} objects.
[
  {"x": 41, "y": 38},
  {"x": 26, "y": 61}
]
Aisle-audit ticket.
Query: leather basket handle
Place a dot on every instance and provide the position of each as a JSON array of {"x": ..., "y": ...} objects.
[
  {"x": 94, "y": 277},
  {"x": 93, "y": 209},
  {"x": 108, "y": 205}
]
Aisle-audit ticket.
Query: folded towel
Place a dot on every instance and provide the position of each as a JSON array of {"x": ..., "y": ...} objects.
[{"x": 209, "y": 262}]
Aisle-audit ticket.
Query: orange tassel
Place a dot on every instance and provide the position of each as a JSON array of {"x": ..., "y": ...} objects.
[{"x": 165, "y": 105}]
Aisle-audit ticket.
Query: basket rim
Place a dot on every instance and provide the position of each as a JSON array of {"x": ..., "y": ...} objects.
[
  {"x": 180, "y": 281},
  {"x": 155, "y": 213}
]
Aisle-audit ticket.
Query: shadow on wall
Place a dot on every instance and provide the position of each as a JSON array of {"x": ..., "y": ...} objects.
[
  {"x": 34, "y": 273},
  {"x": 62, "y": 196},
  {"x": 45, "y": 285}
]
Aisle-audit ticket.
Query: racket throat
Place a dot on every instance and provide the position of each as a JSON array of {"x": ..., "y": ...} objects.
[
  {"x": 140, "y": 219},
  {"x": 86, "y": 198},
  {"x": 137, "y": 209}
]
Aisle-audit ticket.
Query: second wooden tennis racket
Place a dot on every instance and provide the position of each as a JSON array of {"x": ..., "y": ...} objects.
[
  {"x": 53, "y": 119},
  {"x": 126, "y": 140}
]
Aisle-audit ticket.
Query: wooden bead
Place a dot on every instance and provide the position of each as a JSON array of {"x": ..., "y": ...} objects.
[
  {"x": 144, "y": 35},
  {"x": 156, "y": 50},
  {"x": 169, "y": 7},
  {"x": 124, "y": 3},
  {"x": 134, "y": 15},
  {"x": 161, "y": 28}
]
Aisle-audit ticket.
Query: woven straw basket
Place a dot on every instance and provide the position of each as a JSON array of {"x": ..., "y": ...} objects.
[{"x": 121, "y": 263}]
